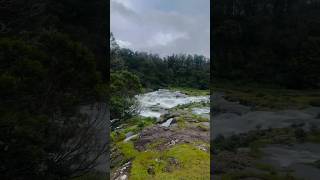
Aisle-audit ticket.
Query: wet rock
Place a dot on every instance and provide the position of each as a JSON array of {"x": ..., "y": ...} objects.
[
  {"x": 129, "y": 134},
  {"x": 167, "y": 123},
  {"x": 173, "y": 161},
  {"x": 130, "y": 137}
]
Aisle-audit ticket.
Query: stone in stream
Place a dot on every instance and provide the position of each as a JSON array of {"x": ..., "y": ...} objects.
[
  {"x": 167, "y": 123},
  {"x": 130, "y": 137}
]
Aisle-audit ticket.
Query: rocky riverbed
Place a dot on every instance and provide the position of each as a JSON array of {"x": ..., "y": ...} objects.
[
  {"x": 269, "y": 144},
  {"x": 177, "y": 142}
]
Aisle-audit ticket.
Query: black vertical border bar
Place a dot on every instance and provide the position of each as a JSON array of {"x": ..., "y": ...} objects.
[{"x": 211, "y": 87}]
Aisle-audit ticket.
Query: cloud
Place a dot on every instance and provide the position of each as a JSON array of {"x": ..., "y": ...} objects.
[
  {"x": 162, "y": 26},
  {"x": 163, "y": 39},
  {"x": 123, "y": 44}
]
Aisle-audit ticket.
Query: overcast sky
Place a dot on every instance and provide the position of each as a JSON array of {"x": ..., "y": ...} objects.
[{"x": 162, "y": 26}]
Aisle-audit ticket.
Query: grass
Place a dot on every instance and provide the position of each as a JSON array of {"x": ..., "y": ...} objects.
[
  {"x": 262, "y": 176},
  {"x": 128, "y": 150},
  {"x": 134, "y": 125},
  {"x": 269, "y": 98},
  {"x": 189, "y": 163},
  {"x": 191, "y": 91},
  {"x": 181, "y": 122},
  {"x": 203, "y": 127}
]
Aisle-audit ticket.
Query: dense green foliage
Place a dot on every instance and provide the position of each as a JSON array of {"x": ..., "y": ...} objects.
[
  {"x": 181, "y": 70},
  {"x": 52, "y": 56},
  {"x": 275, "y": 42},
  {"x": 124, "y": 85}
]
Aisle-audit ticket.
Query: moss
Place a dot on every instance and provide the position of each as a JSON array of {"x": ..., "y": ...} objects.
[
  {"x": 128, "y": 150},
  {"x": 181, "y": 122},
  {"x": 199, "y": 118},
  {"x": 155, "y": 144},
  {"x": 117, "y": 136},
  {"x": 203, "y": 127},
  {"x": 191, "y": 163}
]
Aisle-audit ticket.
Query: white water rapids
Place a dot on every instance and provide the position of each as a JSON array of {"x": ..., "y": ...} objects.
[{"x": 156, "y": 103}]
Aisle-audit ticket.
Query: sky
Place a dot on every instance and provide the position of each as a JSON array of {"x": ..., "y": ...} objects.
[{"x": 163, "y": 27}]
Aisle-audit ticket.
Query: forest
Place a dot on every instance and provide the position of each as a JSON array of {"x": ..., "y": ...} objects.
[
  {"x": 53, "y": 65},
  {"x": 131, "y": 72},
  {"x": 274, "y": 42}
]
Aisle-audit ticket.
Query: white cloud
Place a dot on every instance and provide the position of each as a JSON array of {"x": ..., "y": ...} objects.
[
  {"x": 124, "y": 44},
  {"x": 164, "y": 39},
  {"x": 162, "y": 26}
]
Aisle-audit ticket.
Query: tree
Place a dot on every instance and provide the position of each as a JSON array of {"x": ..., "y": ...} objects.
[{"x": 47, "y": 131}]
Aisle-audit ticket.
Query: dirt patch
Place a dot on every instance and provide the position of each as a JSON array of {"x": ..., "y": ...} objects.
[{"x": 167, "y": 137}]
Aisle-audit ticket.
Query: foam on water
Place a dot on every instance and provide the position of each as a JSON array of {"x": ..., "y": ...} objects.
[{"x": 155, "y": 103}]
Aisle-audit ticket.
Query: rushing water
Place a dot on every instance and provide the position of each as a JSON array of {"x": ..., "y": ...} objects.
[{"x": 156, "y": 103}]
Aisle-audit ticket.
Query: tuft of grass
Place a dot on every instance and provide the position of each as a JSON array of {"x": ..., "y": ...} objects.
[
  {"x": 128, "y": 150},
  {"x": 181, "y": 122},
  {"x": 203, "y": 127}
]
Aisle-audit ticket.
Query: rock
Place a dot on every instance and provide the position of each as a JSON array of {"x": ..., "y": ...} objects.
[
  {"x": 129, "y": 134},
  {"x": 151, "y": 170},
  {"x": 131, "y": 137},
  {"x": 167, "y": 123},
  {"x": 173, "y": 161},
  {"x": 124, "y": 177}
]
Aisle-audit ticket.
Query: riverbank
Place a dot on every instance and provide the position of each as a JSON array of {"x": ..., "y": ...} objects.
[
  {"x": 172, "y": 146},
  {"x": 264, "y": 98},
  {"x": 260, "y": 136}
]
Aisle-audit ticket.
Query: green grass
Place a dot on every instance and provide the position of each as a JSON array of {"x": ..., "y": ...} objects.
[
  {"x": 128, "y": 150},
  {"x": 269, "y": 98},
  {"x": 203, "y": 127},
  {"x": 191, "y": 91},
  {"x": 192, "y": 163},
  {"x": 134, "y": 125},
  {"x": 181, "y": 122}
]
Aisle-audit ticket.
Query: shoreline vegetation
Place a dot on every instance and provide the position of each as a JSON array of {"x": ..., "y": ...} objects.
[{"x": 264, "y": 97}]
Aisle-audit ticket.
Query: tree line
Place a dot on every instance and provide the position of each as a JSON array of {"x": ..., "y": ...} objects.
[
  {"x": 273, "y": 42},
  {"x": 180, "y": 70}
]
